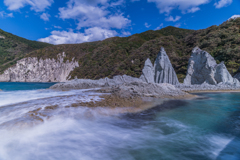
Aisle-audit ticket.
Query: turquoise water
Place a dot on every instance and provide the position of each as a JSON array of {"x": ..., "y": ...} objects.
[
  {"x": 202, "y": 129},
  {"x": 13, "y": 86}
]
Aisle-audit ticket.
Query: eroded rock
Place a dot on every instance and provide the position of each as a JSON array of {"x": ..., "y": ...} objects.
[
  {"x": 88, "y": 83},
  {"x": 148, "y": 72},
  {"x": 161, "y": 72},
  {"x": 32, "y": 69},
  {"x": 202, "y": 68}
]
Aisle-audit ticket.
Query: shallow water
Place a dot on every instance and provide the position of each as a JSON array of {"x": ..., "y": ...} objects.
[{"x": 204, "y": 129}]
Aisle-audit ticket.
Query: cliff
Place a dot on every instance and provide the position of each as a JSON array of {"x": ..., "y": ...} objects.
[
  {"x": 14, "y": 48},
  {"x": 32, "y": 69}
]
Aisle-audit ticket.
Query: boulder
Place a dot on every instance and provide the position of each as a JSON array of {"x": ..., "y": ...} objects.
[
  {"x": 202, "y": 68},
  {"x": 161, "y": 72}
]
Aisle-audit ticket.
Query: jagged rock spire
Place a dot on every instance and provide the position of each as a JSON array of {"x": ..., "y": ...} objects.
[
  {"x": 148, "y": 72},
  {"x": 161, "y": 72},
  {"x": 202, "y": 68},
  {"x": 164, "y": 72}
]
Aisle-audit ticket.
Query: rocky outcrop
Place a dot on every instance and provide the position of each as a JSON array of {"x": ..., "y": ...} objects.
[
  {"x": 88, "y": 83},
  {"x": 161, "y": 72},
  {"x": 32, "y": 69},
  {"x": 148, "y": 72},
  {"x": 237, "y": 75},
  {"x": 124, "y": 87},
  {"x": 202, "y": 68},
  {"x": 143, "y": 89}
]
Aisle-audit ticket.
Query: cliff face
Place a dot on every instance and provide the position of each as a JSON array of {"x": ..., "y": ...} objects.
[{"x": 33, "y": 70}]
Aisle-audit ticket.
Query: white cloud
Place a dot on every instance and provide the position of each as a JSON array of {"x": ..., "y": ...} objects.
[
  {"x": 173, "y": 19},
  {"x": 58, "y": 27},
  {"x": 223, "y": 3},
  {"x": 159, "y": 27},
  {"x": 99, "y": 18},
  {"x": 112, "y": 21},
  {"x": 193, "y": 9},
  {"x": 91, "y": 34},
  {"x": 36, "y": 5},
  {"x": 166, "y": 6},
  {"x": 177, "y": 25},
  {"x": 234, "y": 17},
  {"x": 45, "y": 16},
  {"x": 94, "y": 13},
  {"x": 124, "y": 34},
  {"x": 3, "y": 14},
  {"x": 147, "y": 25}
]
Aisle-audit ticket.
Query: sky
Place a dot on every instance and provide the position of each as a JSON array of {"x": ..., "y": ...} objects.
[{"x": 78, "y": 21}]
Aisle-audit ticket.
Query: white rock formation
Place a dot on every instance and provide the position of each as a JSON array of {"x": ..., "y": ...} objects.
[
  {"x": 33, "y": 70},
  {"x": 89, "y": 83},
  {"x": 202, "y": 68},
  {"x": 237, "y": 75},
  {"x": 148, "y": 72},
  {"x": 161, "y": 72}
]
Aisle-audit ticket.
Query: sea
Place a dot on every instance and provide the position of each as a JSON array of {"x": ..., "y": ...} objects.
[{"x": 206, "y": 128}]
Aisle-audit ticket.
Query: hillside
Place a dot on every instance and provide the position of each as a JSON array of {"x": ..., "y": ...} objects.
[
  {"x": 13, "y": 48},
  {"x": 126, "y": 55}
]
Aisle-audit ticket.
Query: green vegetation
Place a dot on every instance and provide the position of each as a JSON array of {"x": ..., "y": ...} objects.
[
  {"x": 126, "y": 55},
  {"x": 13, "y": 48}
]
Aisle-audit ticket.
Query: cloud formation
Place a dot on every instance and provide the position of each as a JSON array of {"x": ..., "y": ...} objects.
[
  {"x": 98, "y": 19},
  {"x": 94, "y": 13},
  {"x": 69, "y": 37},
  {"x": 45, "y": 16},
  {"x": 166, "y": 6},
  {"x": 3, "y": 14},
  {"x": 223, "y": 3},
  {"x": 171, "y": 19},
  {"x": 147, "y": 25},
  {"x": 36, "y": 5}
]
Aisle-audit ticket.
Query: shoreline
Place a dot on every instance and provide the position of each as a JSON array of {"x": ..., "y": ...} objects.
[{"x": 213, "y": 91}]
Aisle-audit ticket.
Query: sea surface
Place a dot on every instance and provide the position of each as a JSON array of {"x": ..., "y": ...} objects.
[{"x": 207, "y": 128}]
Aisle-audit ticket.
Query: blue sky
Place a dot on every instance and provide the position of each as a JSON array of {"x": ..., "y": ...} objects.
[{"x": 77, "y": 21}]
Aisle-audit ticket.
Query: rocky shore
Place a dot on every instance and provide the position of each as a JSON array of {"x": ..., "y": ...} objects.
[{"x": 159, "y": 81}]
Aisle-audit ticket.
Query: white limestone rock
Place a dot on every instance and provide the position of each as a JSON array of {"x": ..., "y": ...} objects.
[
  {"x": 202, "y": 68},
  {"x": 33, "y": 70},
  {"x": 148, "y": 72},
  {"x": 164, "y": 72},
  {"x": 237, "y": 75},
  {"x": 161, "y": 72},
  {"x": 88, "y": 83},
  {"x": 223, "y": 76}
]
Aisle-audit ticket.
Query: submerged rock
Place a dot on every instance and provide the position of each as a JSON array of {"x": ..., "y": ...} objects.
[
  {"x": 161, "y": 72},
  {"x": 202, "y": 68}
]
